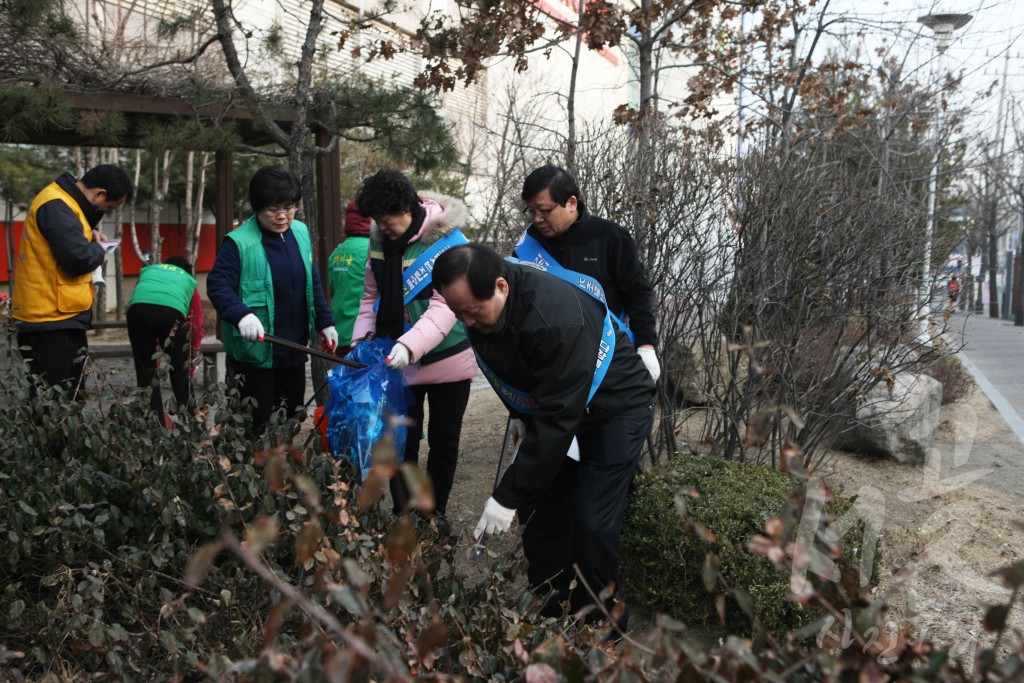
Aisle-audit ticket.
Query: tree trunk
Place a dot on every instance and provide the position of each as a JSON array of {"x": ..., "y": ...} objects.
[
  {"x": 189, "y": 185},
  {"x": 194, "y": 215},
  {"x": 993, "y": 257},
  {"x": 570, "y": 106},
  {"x": 161, "y": 184},
  {"x": 143, "y": 259}
]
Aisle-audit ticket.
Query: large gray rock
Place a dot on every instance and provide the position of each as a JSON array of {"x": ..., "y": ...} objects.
[{"x": 899, "y": 423}]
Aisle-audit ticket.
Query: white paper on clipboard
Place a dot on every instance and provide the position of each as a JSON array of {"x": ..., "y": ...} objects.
[{"x": 110, "y": 245}]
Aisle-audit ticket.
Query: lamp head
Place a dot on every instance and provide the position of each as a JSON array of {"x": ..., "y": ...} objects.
[{"x": 944, "y": 25}]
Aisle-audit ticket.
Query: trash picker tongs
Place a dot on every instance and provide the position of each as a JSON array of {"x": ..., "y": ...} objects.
[
  {"x": 313, "y": 352},
  {"x": 330, "y": 357}
]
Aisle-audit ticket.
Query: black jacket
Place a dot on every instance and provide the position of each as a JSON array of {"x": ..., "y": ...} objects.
[
  {"x": 606, "y": 251},
  {"x": 546, "y": 344}
]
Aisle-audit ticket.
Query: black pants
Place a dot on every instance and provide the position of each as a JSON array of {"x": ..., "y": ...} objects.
[
  {"x": 270, "y": 388},
  {"x": 447, "y": 406},
  {"x": 57, "y": 357},
  {"x": 578, "y": 520},
  {"x": 152, "y": 327}
]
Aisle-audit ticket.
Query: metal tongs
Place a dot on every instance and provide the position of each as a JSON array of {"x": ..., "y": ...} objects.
[{"x": 312, "y": 352}]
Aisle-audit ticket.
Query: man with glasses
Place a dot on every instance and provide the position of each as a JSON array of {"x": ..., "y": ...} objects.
[
  {"x": 60, "y": 248},
  {"x": 562, "y": 231},
  {"x": 265, "y": 280}
]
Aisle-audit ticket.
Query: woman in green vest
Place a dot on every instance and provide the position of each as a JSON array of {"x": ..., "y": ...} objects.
[
  {"x": 165, "y": 313},
  {"x": 265, "y": 281}
]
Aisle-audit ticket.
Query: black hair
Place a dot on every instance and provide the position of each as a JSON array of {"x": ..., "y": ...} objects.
[
  {"x": 179, "y": 261},
  {"x": 479, "y": 264},
  {"x": 273, "y": 185},
  {"x": 555, "y": 179},
  {"x": 112, "y": 179},
  {"x": 386, "y": 193}
]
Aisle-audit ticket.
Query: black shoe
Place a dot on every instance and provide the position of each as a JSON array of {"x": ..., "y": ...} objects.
[{"x": 446, "y": 533}]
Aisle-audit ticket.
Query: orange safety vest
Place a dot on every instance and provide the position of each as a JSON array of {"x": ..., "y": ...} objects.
[{"x": 43, "y": 291}]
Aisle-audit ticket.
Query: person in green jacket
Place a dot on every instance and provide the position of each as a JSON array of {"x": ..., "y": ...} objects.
[
  {"x": 165, "y": 312},
  {"x": 345, "y": 270},
  {"x": 264, "y": 281}
]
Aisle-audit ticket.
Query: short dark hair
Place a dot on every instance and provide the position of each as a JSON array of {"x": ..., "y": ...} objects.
[
  {"x": 386, "y": 193},
  {"x": 112, "y": 179},
  {"x": 555, "y": 179},
  {"x": 480, "y": 265},
  {"x": 180, "y": 262},
  {"x": 273, "y": 185}
]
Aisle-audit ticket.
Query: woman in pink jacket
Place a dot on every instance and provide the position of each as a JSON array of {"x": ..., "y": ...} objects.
[{"x": 400, "y": 303}]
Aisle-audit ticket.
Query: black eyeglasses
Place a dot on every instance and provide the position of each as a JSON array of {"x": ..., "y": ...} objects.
[
  {"x": 280, "y": 210},
  {"x": 533, "y": 214}
]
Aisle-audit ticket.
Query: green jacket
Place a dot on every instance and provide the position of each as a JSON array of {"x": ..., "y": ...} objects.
[
  {"x": 346, "y": 270},
  {"x": 164, "y": 285},
  {"x": 256, "y": 290}
]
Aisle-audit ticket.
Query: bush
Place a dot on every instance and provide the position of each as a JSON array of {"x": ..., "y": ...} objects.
[
  {"x": 113, "y": 560},
  {"x": 957, "y": 383},
  {"x": 134, "y": 552},
  {"x": 664, "y": 563}
]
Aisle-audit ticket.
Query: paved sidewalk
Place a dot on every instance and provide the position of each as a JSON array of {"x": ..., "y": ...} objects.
[{"x": 993, "y": 351}]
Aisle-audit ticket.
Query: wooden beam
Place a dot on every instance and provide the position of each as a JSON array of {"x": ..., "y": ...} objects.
[
  {"x": 328, "y": 203},
  {"x": 169, "y": 107},
  {"x": 224, "y": 201}
]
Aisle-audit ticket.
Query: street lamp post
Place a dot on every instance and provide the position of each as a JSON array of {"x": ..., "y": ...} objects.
[{"x": 942, "y": 26}]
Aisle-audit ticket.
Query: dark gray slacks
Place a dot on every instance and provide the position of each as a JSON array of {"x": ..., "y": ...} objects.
[{"x": 578, "y": 520}]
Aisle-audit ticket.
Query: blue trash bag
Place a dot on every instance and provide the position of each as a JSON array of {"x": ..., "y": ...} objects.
[{"x": 361, "y": 403}]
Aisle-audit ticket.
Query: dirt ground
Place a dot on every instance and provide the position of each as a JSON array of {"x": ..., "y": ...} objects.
[{"x": 943, "y": 526}]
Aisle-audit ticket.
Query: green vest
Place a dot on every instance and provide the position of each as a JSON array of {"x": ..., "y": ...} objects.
[
  {"x": 164, "y": 285},
  {"x": 346, "y": 269},
  {"x": 418, "y": 306},
  {"x": 256, "y": 290}
]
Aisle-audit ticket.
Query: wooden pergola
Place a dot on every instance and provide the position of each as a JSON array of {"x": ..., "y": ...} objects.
[{"x": 138, "y": 109}]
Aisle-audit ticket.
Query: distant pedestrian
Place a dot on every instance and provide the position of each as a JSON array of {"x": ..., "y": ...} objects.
[
  {"x": 60, "y": 248},
  {"x": 954, "y": 290},
  {"x": 346, "y": 268},
  {"x": 265, "y": 281},
  {"x": 165, "y": 312}
]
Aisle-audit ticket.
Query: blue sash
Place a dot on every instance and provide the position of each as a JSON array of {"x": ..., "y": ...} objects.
[
  {"x": 529, "y": 249},
  {"x": 418, "y": 275},
  {"x": 524, "y": 402}
]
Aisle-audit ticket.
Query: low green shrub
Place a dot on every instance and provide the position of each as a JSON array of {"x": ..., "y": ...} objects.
[{"x": 664, "y": 563}]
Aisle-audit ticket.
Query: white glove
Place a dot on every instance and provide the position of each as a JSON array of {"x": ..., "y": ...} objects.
[
  {"x": 251, "y": 328},
  {"x": 329, "y": 338},
  {"x": 398, "y": 359},
  {"x": 497, "y": 519},
  {"x": 650, "y": 359}
]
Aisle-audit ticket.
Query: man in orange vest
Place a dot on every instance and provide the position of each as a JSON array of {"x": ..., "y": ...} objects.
[{"x": 59, "y": 249}]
